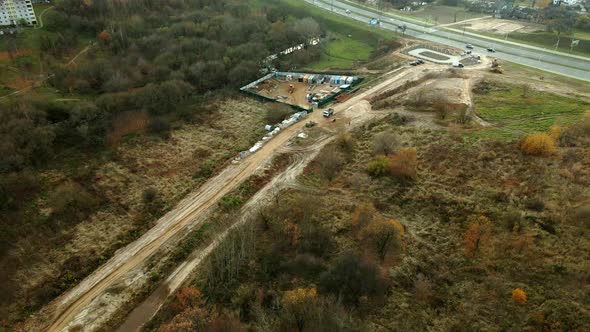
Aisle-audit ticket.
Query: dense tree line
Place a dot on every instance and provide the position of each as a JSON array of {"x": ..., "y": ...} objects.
[{"x": 150, "y": 57}]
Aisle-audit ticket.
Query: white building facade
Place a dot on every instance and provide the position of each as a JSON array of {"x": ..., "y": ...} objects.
[
  {"x": 13, "y": 11},
  {"x": 566, "y": 2}
]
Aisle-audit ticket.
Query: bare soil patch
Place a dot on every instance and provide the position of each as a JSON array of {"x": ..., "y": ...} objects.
[
  {"x": 4, "y": 55},
  {"x": 502, "y": 27}
]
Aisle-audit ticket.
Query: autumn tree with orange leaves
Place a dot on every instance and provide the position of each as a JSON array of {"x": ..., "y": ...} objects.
[
  {"x": 404, "y": 164},
  {"x": 363, "y": 215},
  {"x": 519, "y": 296},
  {"x": 383, "y": 235},
  {"x": 105, "y": 38},
  {"x": 297, "y": 306},
  {"x": 478, "y": 234},
  {"x": 188, "y": 297}
]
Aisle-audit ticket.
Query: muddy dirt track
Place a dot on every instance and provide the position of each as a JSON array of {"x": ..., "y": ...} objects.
[{"x": 58, "y": 315}]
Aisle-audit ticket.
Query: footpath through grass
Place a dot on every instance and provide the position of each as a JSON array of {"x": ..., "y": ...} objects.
[{"x": 514, "y": 114}]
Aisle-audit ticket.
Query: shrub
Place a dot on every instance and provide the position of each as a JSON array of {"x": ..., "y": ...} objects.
[
  {"x": 330, "y": 162},
  {"x": 539, "y": 144},
  {"x": 345, "y": 142},
  {"x": 352, "y": 278},
  {"x": 385, "y": 143},
  {"x": 512, "y": 220},
  {"x": 229, "y": 202},
  {"x": 555, "y": 132},
  {"x": 71, "y": 198},
  {"x": 582, "y": 216},
  {"x": 305, "y": 265},
  {"x": 534, "y": 204},
  {"x": 314, "y": 239},
  {"x": 519, "y": 296},
  {"x": 160, "y": 126},
  {"x": 378, "y": 166},
  {"x": 363, "y": 214},
  {"x": 403, "y": 164}
]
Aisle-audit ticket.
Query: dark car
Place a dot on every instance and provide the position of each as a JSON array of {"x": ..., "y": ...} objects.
[
  {"x": 491, "y": 49},
  {"x": 469, "y": 46},
  {"x": 420, "y": 61}
]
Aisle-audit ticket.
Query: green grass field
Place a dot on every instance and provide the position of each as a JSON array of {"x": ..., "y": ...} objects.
[
  {"x": 514, "y": 115},
  {"x": 343, "y": 53},
  {"x": 351, "y": 42}
]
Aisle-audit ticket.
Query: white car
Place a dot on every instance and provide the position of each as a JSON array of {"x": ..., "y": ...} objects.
[{"x": 348, "y": 11}]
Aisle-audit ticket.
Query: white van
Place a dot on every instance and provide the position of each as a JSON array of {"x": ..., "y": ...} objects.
[{"x": 458, "y": 65}]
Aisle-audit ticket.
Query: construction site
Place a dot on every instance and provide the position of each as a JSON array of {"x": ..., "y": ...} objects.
[{"x": 302, "y": 90}]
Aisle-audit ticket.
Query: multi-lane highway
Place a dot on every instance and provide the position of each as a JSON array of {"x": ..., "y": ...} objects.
[{"x": 554, "y": 62}]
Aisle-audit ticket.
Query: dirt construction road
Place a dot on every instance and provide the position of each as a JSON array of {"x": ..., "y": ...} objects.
[{"x": 58, "y": 315}]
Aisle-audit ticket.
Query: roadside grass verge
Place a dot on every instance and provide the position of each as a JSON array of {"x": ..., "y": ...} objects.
[
  {"x": 548, "y": 40},
  {"x": 515, "y": 114}
]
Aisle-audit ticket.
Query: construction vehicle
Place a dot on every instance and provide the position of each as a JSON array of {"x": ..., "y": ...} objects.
[{"x": 496, "y": 68}]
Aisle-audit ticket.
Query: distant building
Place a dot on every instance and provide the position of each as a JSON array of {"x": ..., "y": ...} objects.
[
  {"x": 12, "y": 12},
  {"x": 566, "y": 2}
]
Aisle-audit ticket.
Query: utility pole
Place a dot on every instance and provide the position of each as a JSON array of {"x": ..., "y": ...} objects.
[{"x": 332, "y": 5}]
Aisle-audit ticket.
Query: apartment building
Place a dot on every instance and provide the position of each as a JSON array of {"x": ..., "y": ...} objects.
[{"x": 14, "y": 11}]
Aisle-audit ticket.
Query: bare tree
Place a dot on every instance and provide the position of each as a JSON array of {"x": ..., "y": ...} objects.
[{"x": 330, "y": 162}]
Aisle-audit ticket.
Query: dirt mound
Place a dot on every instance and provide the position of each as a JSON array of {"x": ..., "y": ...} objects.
[{"x": 453, "y": 93}]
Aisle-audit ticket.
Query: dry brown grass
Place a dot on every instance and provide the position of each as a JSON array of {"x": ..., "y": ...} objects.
[{"x": 127, "y": 123}]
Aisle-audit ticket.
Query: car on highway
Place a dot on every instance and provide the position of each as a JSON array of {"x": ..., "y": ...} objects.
[
  {"x": 348, "y": 11},
  {"x": 491, "y": 49},
  {"x": 469, "y": 46}
]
